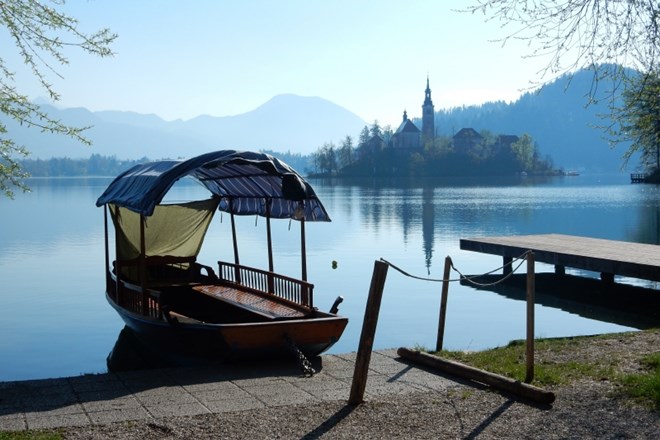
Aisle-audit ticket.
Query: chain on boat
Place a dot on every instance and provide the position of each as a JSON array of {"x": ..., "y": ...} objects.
[{"x": 303, "y": 363}]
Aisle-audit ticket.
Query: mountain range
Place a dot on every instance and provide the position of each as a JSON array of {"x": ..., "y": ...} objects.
[
  {"x": 285, "y": 123},
  {"x": 556, "y": 117}
]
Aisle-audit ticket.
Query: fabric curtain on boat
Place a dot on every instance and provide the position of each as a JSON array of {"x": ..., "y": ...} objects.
[{"x": 174, "y": 230}]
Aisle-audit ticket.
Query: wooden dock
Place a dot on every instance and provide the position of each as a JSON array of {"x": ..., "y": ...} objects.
[{"x": 608, "y": 257}]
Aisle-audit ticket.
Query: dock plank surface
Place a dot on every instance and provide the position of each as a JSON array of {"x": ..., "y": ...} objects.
[{"x": 613, "y": 257}]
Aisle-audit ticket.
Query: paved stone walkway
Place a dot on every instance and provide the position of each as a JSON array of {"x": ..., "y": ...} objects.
[{"x": 149, "y": 394}]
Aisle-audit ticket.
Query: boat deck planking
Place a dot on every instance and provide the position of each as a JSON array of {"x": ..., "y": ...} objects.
[
  {"x": 271, "y": 308},
  {"x": 609, "y": 257}
]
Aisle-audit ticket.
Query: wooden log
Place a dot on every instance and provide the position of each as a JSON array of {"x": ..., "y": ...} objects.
[
  {"x": 494, "y": 380},
  {"x": 368, "y": 332}
]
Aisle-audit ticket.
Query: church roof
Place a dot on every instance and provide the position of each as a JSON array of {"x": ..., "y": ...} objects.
[
  {"x": 407, "y": 126},
  {"x": 467, "y": 133}
]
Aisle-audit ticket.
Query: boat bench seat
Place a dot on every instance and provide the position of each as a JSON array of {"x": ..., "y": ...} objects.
[{"x": 260, "y": 303}]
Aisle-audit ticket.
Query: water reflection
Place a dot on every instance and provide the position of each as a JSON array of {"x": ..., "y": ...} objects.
[
  {"x": 617, "y": 303},
  {"x": 414, "y": 225}
]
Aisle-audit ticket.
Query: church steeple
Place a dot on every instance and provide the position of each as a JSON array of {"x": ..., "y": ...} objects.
[{"x": 428, "y": 114}]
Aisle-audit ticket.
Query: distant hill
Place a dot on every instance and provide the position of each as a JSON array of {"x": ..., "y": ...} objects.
[
  {"x": 286, "y": 123},
  {"x": 556, "y": 117}
]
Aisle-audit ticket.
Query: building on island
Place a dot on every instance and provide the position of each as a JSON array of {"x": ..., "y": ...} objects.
[
  {"x": 407, "y": 137},
  {"x": 428, "y": 115},
  {"x": 466, "y": 139}
]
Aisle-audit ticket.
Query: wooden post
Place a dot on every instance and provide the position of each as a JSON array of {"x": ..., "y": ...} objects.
[
  {"x": 368, "y": 332},
  {"x": 443, "y": 305},
  {"x": 506, "y": 265},
  {"x": 529, "y": 375}
]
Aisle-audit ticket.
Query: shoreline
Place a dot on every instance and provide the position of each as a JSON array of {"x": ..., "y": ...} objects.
[{"x": 402, "y": 400}]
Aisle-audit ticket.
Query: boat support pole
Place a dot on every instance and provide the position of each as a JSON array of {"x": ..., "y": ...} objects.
[
  {"x": 271, "y": 287},
  {"x": 143, "y": 267},
  {"x": 237, "y": 262},
  {"x": 107, "y": 252},
  {"x": 117, "y": 262},
  {"x": 303, "y": 249}
]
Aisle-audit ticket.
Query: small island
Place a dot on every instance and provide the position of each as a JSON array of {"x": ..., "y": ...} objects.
[{"x": 411, "y": 151}]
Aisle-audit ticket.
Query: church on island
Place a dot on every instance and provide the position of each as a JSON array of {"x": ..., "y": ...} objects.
[
  {"x": 417, "y": 151},
  {"x": 409, "y": 138}
]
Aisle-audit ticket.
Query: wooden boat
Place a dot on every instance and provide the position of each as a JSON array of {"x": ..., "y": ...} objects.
[{"x": 177, "y": 304}]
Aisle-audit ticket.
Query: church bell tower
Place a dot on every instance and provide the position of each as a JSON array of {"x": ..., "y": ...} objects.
[{"x": 428, "y": 115}]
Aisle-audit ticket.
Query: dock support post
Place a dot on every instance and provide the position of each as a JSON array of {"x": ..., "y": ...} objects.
[
  {"x": 531, "y": 281},
  {"x": 368, "y": 332},
  {"x": 607, "y": 277},
  {"x": 506, "y": 265},
  {"x": 443, "y": 305}
]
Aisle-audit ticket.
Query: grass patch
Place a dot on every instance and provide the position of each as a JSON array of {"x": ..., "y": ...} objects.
[
  {"x": 30, "y": 435},
  {"x": 510, "y": 361},
  {"x": 645, "y": 387}
]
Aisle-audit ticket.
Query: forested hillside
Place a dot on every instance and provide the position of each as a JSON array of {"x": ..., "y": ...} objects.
[{"x": 558, "y": 119}]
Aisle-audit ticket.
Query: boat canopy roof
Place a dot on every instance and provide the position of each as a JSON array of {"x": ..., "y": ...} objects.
[{"x": 247, "y": 183}]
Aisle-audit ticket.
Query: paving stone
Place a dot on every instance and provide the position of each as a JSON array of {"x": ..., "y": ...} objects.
[
  {"x": 177, "y": 409},
  {"x": 12, "y": 422},
  {"x": 137, "y": 395},
  {"x": 119, "y": 415},
  {"x": 51, "y": 421}
]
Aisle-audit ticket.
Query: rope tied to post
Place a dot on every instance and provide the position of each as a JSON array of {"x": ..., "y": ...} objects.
[{"x": 471, "y": 278}]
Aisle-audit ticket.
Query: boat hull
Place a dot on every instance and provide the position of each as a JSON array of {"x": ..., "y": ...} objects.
[{"x": 233, "y": 341}]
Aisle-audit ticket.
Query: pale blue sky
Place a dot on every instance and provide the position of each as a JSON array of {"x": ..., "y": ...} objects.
[{"x": 182, "y": 59}]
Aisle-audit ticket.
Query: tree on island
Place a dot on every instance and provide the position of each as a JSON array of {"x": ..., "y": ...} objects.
[
  {"x": 41, "y": 34},
  {"x": 375, "y": 157}
]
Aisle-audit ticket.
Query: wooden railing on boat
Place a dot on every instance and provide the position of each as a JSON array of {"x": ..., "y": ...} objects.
[
  {"x": 146, "y": 301},
  {"x": 291, "y": 289},
  {"x": 134, "y": 300}
]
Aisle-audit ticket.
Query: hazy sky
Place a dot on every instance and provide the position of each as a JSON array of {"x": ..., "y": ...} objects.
[{"x": 182, "y": 59}]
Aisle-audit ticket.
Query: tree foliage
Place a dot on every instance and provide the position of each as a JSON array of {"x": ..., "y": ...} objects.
[
  {"x": 602, "y": 35},
  {"x": 42, "y": 35},
  {"x": 610, "y": 37},
  {"x": 639, "y": 119}
]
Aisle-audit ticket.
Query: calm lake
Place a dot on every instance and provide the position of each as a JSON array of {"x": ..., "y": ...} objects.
[{"x": 56, "y": 321}]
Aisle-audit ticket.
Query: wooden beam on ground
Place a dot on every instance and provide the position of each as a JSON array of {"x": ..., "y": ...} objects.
[{"x": 491, "y": 379}]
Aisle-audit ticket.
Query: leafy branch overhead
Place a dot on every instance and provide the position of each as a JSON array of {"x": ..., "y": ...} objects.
[
  {"x": 619, "y": 40},
  {"x": 582, "y": 34},
  {"x": 41, "y": 35}
]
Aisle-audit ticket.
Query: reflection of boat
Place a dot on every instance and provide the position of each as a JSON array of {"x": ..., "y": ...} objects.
[{"x": 176, "y": 304}]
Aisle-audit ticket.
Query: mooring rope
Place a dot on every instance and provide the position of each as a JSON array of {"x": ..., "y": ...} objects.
[{"x": 469, "y": 279}]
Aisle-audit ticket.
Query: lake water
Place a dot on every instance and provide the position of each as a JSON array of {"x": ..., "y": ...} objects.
[{"x": 56, "y": 322}]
